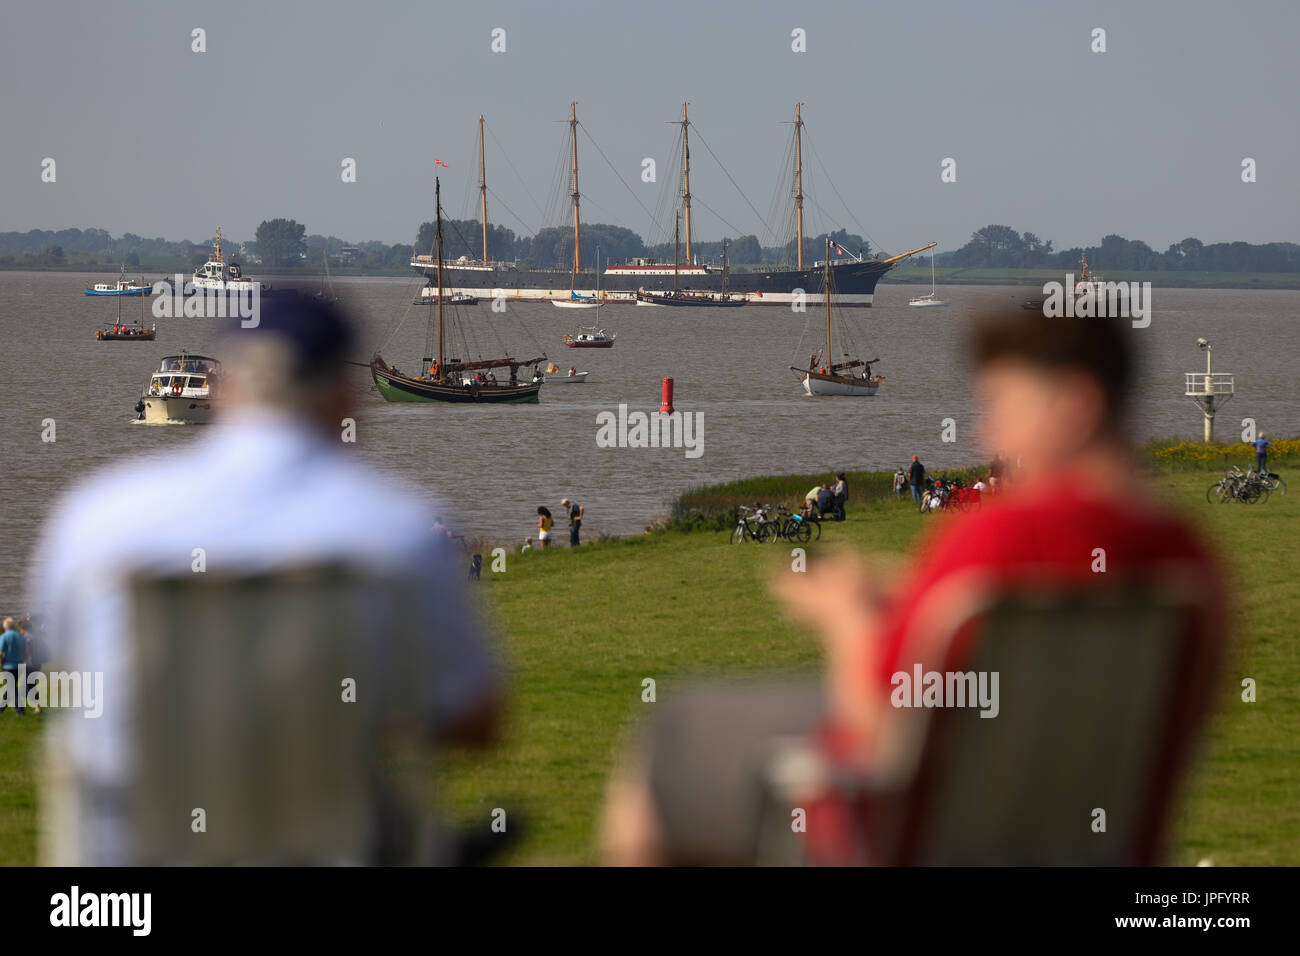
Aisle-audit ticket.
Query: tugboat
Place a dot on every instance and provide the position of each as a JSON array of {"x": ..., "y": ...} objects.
[
  {"x": 123, "y": 286},
  {"x": 453, "y": 380},
  {"x": 216, "y": 276},
  {"x": 181, "y": 391}
]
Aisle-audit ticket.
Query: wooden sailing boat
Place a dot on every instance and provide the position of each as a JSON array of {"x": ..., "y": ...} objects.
[
  {"x": 119, "y": 332},
  {"x": 930, "y": 299},
  {"x": 824, "y": 376},
  {"x": 455, "y": 381}
]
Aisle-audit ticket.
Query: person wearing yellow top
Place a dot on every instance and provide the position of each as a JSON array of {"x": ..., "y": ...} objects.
[{"x": 544, "y": 524}]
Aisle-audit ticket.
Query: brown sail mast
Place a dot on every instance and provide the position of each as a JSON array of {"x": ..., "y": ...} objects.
[{"x": 577, "y": 228}]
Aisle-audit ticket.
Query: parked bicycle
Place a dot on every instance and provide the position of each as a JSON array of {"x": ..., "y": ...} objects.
[
  {"x": 945, "y": 495},
  {"x": 754, "y": 524},
  {"x": 801, "y": 526},
  {"x": 1245, "y": 486}
]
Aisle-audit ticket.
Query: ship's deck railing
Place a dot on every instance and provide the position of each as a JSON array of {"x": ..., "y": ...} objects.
[{"x": 1209, "y": 383}]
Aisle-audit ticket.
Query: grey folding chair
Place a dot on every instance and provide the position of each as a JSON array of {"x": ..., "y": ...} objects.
[
  {"x": 1095, "y": 689},
  {"x": 241, "y": 712}
]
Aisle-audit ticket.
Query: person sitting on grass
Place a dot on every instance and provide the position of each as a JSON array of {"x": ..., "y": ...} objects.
[{"x": 1056, "y": 395}]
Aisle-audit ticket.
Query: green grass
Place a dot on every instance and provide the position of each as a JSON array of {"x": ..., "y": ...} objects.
[{"x": 583, "y": 629}]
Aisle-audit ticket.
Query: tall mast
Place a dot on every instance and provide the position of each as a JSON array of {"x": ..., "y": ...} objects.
[
  {"x": 577, "y": 229},
  {"x": 798, "y": 180},
  {"x": 724, "y": 268},
  {"x": 686, "y": 177},
  {"x": 437, "y": 194},
  {"x": 677, "y": 248},
  {"x": 826, "y": 294},
  {"x": 218, "y": 253},
  {"x": 482, "y": 185}
]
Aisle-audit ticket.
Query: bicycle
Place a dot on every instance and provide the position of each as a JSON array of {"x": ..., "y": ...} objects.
[
  {"x": 800, "y": 527},
  {"x": 753, "y": 524},
  {"x": 1273, "y": 481},
  {"x": 745, "y": 517},
  {"x": 1247, "y": 487}
]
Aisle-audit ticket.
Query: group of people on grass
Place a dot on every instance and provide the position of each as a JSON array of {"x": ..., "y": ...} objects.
[
  {"x": 546, "y": 523},
  {"x": 913, "y": 477},
  {"x": 827, "y": 499}
]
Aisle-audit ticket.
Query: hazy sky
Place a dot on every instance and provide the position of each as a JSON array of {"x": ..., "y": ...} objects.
[{"x": 1146, "y": 139}]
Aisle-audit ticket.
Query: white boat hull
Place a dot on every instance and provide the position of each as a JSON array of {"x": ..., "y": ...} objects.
[
  {"x": 570, "y": 304},
  {"x": 926, "y": 303},
  {"x": 560, "y": 378},
  {"x": 826, "y": 385},
  {"x": 173, "y": 410}
]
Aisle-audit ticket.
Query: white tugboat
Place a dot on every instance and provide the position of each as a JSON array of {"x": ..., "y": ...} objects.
[
  {"x": 181, "y": 391},
  {"x": 218, "y": 277}
]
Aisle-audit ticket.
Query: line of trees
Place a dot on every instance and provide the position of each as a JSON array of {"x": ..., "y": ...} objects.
[
  {"x": 284, "y": 244},
  {"x": 1001, "y": 247}
]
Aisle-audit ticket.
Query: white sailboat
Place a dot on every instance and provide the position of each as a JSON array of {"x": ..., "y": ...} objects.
[
  {"x": 576, "y": 301},
  {"x": 930, "y": 299},
  {"x": 824, "y": 376}
]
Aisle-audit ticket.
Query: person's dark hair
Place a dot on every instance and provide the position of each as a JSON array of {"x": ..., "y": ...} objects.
[
  {"x": 543, "y": 510},
  {"x": 1097, "y": 347},
  {"x": 318, "y": 332}
]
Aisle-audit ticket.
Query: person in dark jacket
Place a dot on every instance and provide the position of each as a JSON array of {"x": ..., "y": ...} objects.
[{"x": 916, "y": 478}]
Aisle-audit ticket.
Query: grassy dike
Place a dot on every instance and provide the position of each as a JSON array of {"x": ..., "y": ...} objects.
[{"x": 581, "y": 630}]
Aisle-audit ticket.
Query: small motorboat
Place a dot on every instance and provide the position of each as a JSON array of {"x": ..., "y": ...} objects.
[
  {"x": 590, "y": 339},
  {"x": 429, "y": 296},
  {"x": 181, "y": 391}
]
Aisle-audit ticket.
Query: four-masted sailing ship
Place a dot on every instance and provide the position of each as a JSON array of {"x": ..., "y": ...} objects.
[
  {"x": 825, "y": 376},
  {"x": 855, "y": 276},
  {"x": 454, "y": 380}
]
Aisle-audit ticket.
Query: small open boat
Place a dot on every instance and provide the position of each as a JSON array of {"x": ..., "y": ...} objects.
[
  {"x": 590, "y": 339},
  {"x": 571, "y": 377}
]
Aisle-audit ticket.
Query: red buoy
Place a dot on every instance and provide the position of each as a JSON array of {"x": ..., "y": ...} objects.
[{"x": 666, "y": 404}]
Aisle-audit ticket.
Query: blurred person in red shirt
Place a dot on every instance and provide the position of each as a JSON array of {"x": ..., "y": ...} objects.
[{"x": 1055, "y": 396}]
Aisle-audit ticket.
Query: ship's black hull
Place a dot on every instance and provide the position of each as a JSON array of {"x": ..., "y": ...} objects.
[{"x": 855, "y": 283}]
